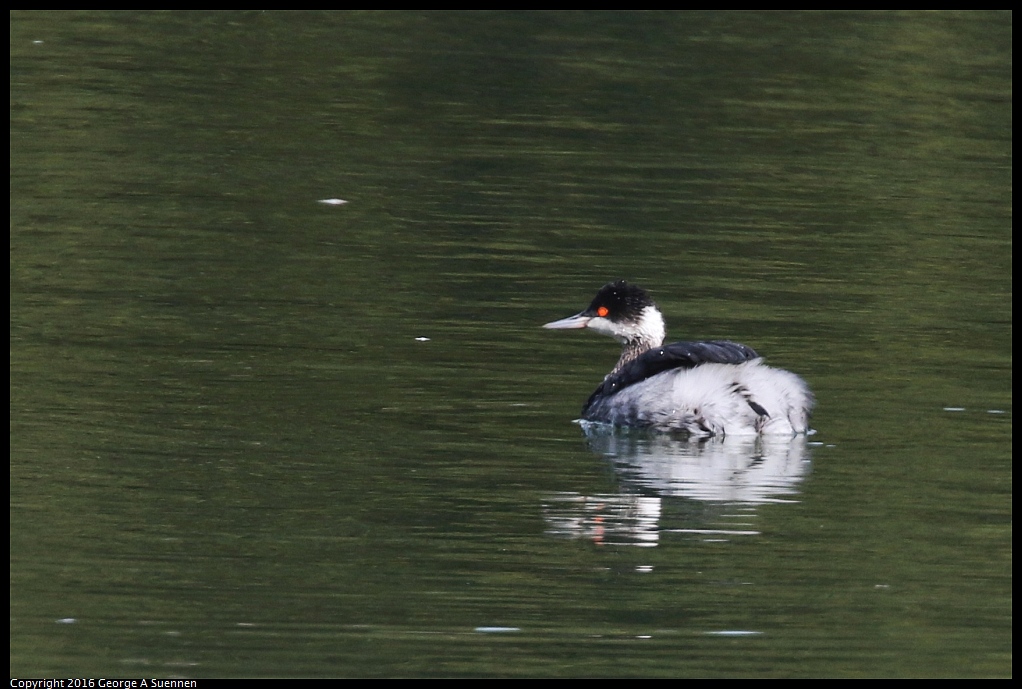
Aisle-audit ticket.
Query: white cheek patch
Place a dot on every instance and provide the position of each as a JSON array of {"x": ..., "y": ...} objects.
[{"x": 602, "y": 326}]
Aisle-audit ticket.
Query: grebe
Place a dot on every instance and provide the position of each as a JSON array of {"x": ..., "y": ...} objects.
[{"x": 703, "y": 388}]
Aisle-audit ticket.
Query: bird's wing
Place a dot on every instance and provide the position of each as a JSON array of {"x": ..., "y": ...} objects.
[{"x": 671, "y": 356}]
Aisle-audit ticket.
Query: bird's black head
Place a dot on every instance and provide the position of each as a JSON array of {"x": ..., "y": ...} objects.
[{"x": 619, "y": 302}]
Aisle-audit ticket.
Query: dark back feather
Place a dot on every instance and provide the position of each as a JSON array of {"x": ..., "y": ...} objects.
[{"x": 671, "y": 356}]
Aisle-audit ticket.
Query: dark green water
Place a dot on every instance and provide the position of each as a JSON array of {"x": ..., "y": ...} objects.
[{"x": 230, "y": 455}]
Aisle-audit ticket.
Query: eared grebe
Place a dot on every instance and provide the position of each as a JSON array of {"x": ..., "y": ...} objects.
[{"x": 703, "y": 388}]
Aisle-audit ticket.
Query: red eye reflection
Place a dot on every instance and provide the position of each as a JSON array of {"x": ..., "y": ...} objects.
[{"x": 602, "y": 311}]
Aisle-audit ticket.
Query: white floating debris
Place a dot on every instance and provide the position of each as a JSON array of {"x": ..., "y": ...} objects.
[
  {"x": 734, "y": 632},
  {"x": 37, "y": 42},
  {"x": 333, "y": 202},
  {"x": 954, "y": 408},
  {"x": 996, "y": 411},
  {"x": 497, "y": 630},
  {"x": 66, "y": 620},
  {"x": 422, "y": 339}
]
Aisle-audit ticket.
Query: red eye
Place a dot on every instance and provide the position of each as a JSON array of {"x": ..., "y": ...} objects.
[{"x": 602, "y": 311}]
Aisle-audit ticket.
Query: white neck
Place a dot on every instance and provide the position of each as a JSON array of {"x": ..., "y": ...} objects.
[{"x": 636, "y": 338}]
